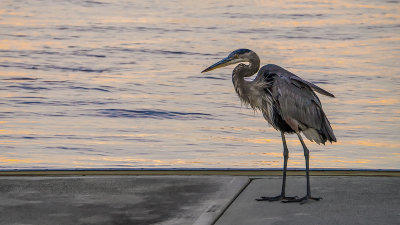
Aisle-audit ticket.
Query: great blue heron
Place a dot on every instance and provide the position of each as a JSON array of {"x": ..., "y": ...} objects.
[{"x": 286, "y": 101}]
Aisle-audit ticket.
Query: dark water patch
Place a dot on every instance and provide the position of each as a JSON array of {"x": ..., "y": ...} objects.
[
  {"x": 74, "y": 86},
  {"x": 214, "y": 78},
  {"x": 91, "y": 28},
  {"x": 20, "y": 66},
  {"x": 162, "y": 30},
  {"x": 93, "y": 55},
  {"x": 127, "y": 63},
  {"x": 56, "y": 82},
  {"x": 76, "y": 69},
  {"x": 301, "y": 37},
  {"x": 173, "y": 52},
  {"x": 87, "y": 53},
  {"x": 60, "y": 38},
  {"x": 28, "y": 97},
  {"x": 7, "y": 114},
  {"x": 31, "y": 53},
  {"x": 237, "y": 15},
  {"x": 4, "y": 147},
  {"x": 28, "y": 137},
  {"x": 16, "y": 35},
  {"x": 27, "y": 87},
  {"x": 305, "y": 29},
  {"x": 74, "y": 103},
  {"x": 5, "y": 136},
  {"x": 304, "y": 15},
  {"x": 152, "y": 114},
  {"x": 151, "y": 29},
  {"x": 45, "y": 52},
  {"x": 66, "y": 136},
  {"x": 258, "y": 30},
  {"x": 47, "y": 67},
  {"x": 54, "y": 67},
  {"x": 160, "y": 51},
  {"x": 330, "y": 37},
  {"x": 272, "y": 15},
  {"x": 95, "y": 2},
  {"x": 47, "y": 102},
  {"x": 55, "y": 114},
  {"x": 97, "y": 28},
  {"x": 20, "y": 78},
  {"x": 50, "y": 103},
  {"x": 181, "y": 30},
  {"x": 61, "y": 28},
  {"x": 32, "y": 137},
  {"x": 71, "y": 148},
  {"x": 31, "y": 103},
  {"x": 106, "y": 87},
  {"x": 142, "y": 140},
  {"x": 211, "y": 77},
  {"x": 88, "y": 89},
  {"x": 381, "y": 28}
]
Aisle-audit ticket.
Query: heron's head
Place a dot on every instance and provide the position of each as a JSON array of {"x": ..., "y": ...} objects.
[{"x": 237, "y": 56}]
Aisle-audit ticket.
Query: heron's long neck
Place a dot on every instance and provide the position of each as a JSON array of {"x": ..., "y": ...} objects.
[{"x": 248, "y": 91}]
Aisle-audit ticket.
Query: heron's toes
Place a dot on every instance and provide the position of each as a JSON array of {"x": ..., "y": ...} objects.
[
  {"x": 271, "y": 199},
  {"x": 302, "y": 200},
  {"x": 276, "y": 198},
  {"x": 289, "y": 198},
  {"x": 315, "y": 198}
]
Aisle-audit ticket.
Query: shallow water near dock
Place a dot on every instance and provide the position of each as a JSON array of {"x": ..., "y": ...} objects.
[{"x": 117, "y": 84}]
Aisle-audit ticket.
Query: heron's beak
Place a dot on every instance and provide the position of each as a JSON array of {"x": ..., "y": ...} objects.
[{"x": 224, "y": 62}]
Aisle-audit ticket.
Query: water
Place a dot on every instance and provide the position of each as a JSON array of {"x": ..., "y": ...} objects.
[{"x": 117, "y": 84}]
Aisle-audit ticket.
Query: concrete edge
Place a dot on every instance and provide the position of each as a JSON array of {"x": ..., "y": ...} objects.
[
  {"x": 188, "y": 172},
  {"x": 215, "y": 211}
]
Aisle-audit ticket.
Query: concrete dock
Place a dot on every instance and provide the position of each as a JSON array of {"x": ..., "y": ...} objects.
[
  {"x": 346, "y": 200},
  {"x": 191, "y": 198}
]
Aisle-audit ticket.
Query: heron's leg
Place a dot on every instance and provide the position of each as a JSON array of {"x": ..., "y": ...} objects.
[
  {"x": 285, "y": 160},
  {"x": 307, "y": 158}
]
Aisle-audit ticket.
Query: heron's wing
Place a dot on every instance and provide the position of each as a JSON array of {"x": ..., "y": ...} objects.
[
  {"x": 295, "y": 99},
  {"x": 267, "y": 70},
  {"x": 312, "y": 86}
]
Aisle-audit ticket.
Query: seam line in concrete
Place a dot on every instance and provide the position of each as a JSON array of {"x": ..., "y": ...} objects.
[{"x": 231, "y": 202}]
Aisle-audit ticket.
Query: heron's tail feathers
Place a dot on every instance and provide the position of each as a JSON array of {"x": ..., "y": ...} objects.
[
  {"x": 327, "y": 131},
  {"x": 322, "y": 135},
  {"x": 313, "y": 135}
]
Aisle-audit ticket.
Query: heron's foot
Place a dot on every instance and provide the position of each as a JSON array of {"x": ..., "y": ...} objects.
[
  {"x": 302, "y": 200},
  {"x": 276, "y": 198}
]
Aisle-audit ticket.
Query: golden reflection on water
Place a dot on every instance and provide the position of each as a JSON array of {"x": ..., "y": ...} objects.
[
  {"x": 18, "y": 160},
  {"x": 16, "y": 44},
  {"x": 342, "y": 45},
  {"x": 374, "y": 143},
  {"x": 389, "y": 101}
]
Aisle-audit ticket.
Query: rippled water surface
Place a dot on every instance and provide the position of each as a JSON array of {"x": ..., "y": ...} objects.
[{"x": 117, "y": 84}]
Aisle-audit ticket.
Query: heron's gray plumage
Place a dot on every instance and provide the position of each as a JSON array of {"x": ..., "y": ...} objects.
[
  {"x": 297, "y": 103},
  {"x": 286, "y": 101}
]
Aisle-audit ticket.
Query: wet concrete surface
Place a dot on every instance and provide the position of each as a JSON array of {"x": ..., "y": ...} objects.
[
  {"x": 346, "y": 200},
  {"x": 119, "y": 200}
]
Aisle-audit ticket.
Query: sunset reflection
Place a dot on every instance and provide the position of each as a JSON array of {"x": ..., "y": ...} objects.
[{"x": 99, "y": 89}]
